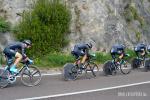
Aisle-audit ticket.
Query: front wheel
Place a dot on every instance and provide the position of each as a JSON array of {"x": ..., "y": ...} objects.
[
  {"x": 136, "y": 63},
  {"x": 147, "y": 65},
  {"x": 30, "y": 76},
  {"x": 93, "y": 68},
  {"x": 4, "y": 78},
  {"x": 125, "y": 68}
]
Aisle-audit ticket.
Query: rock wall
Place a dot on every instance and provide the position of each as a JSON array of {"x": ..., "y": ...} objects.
[{"x": 104, "y": 22}]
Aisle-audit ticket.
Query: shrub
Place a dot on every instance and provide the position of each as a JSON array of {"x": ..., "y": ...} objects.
[
  {"x": 59, "y": 59},
  {"x": 47, "y": 25},
  {"x": 4, "y": 25},
  {"x": 54, "y": 60},
  {"x": 102, "y": 57},
  {"x": 131, "y": 13}
]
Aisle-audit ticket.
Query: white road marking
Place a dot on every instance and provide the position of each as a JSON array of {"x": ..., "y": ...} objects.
[
  {"x": 59, "y": 73},
  {"x": 43, "y": 74},
  {"x": 53, "y": 74},
  {"x": 83, "y": 92}
]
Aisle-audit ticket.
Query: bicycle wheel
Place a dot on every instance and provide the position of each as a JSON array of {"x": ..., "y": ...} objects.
[
  {"x": 147, "y": 65},
  {"x": 4, "y": 78},
  {"x": 107, "y": 68},
  {"x": 125, "y": 68},
  {"x": 93, "y": 68},
  {"x": 136, "y": 63},
  {"x": 70, "y": 72},
  {"x": 31, "y": 76}
]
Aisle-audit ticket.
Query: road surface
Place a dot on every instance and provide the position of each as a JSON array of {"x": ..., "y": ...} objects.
[{"x": 134, "y": 86}]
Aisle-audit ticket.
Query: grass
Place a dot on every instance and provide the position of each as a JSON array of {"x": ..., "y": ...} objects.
[
  {"x": 54, "y": 60},
  {"x": 57, "y": 60},
  {"x": 4, "y": 25}
]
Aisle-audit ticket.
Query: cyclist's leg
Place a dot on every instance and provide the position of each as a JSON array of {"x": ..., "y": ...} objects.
[
  {"x": 113, "y": 55},
  {"x": 114, "y": 60},
  {"x": 84, "y": 57},
  {"x": 9, "y": 61},
  {"x": 75, "y": 54},
  {"x": 121, "y": 56},
  {"x": 9, "y": 57},
  {"x": 142, "y": 52},
  {"x": 18, "y": 58}
]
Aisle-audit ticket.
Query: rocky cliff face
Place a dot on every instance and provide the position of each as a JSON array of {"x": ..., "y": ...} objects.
[
  {"x": 12, "y": 10},
  {"x": 110, "y": 21},
  {"x": 104, "y": 22}
]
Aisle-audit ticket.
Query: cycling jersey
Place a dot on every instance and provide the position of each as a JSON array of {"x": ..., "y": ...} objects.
[
  {"x": 117, "y": 49},
  {"x": 11, "y": 49},
  {"x": 80, "y": 50}
]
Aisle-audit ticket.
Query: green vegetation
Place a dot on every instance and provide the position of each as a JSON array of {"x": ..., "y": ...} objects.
[
  {"x": 47, "y": 25},
  {"x": 4, "y": 25},
  {"x": 131, "y": 13},
  {"x": 132, "y": 55},
  {"x": 102, "y": 57},
  {"x": 110, "y": 11},
  {"x": 54, "y": 60},
  {"x": 138, "y": 36},
  {"x": 60, "y": 59},
  {"x": 0, "y": 59}
]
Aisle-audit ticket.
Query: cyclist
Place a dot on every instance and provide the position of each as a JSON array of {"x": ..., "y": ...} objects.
[
  {"x": 148, "y": 48},
  {"x": 140, "y": 50},
  {"x": 117, "y": 52},
  {"x": 16, "y": 50},
  {"x": 81, "y": 50}
]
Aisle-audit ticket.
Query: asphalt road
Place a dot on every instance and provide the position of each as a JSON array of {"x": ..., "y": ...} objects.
[{"x": 119, "y": 87}]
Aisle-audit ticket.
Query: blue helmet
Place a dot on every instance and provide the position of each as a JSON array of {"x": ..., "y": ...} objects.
[
  {"x": 89, "y": 45},
  {"x": 28, "y": 42}
]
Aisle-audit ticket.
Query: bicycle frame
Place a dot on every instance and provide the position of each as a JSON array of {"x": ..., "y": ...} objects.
[
  {"x": 24, "y": 66},
  {"x": 141, "y": 60},
  {"x": 87, "y": 62},
  {"x": 118, "y": 65}
]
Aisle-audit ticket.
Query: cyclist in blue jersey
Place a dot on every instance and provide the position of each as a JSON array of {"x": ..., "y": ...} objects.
[
  {"x": 16, "y": 50},
  {"x": 82, "y": 50},
  {"x": 117, "y": 52},
  {"x": 140, "y": 50}
]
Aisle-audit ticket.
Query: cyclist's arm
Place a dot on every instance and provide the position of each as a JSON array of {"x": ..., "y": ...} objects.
[
  {"x": 121, "y": 56},
  {"x": 26, "y": 59},
  {"x": 23, "y": 52}
]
